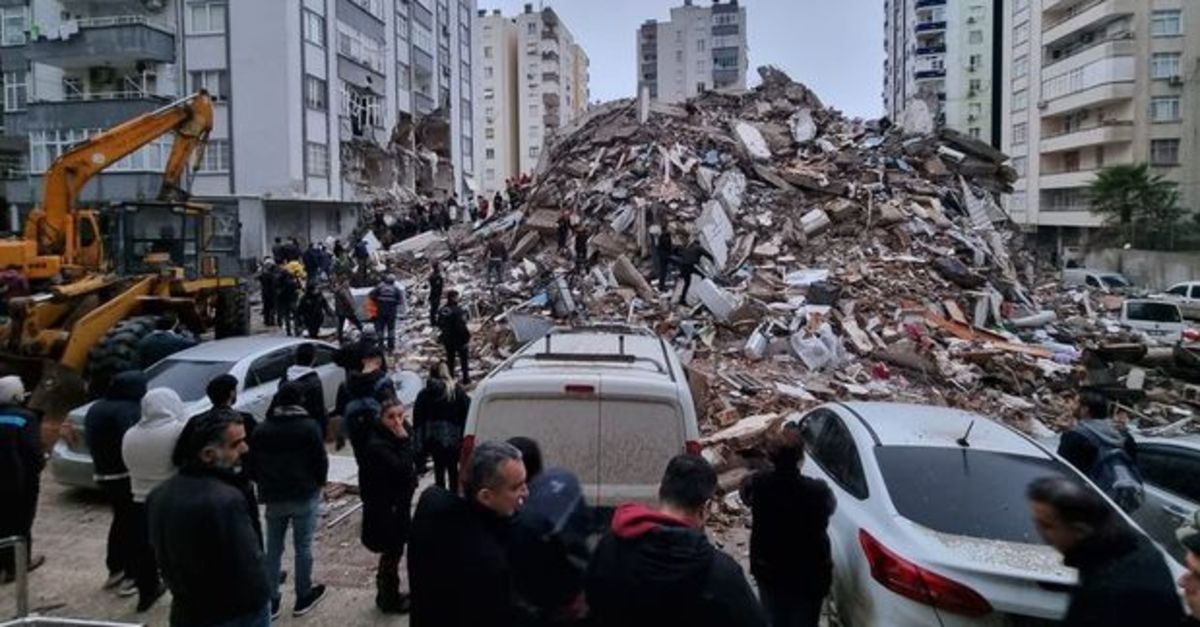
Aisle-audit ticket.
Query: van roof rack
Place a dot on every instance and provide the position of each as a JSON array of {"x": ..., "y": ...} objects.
[{"x": 620, "y": 357}]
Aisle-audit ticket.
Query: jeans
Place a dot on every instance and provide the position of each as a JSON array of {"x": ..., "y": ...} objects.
[
  {"x": 258, "y": 618},
  {"x": 302, "y": 515},
  {"x": 119, "y": 553},
  {"x": 791, "y": 608}
]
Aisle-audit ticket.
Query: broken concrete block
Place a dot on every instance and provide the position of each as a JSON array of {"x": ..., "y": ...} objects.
[
  {"x": 627, "y": 274},
  {"x": 418, "y": 244},
  {"x": 814, "y": 222},
  {"x": 769, "y": 175},
  {"x": 842, "y": 210},
  {"x": 806, "y": 277},
  {"x": 608, "y": 244},
  {"x": 718, "y": 301},
  {"x": 752, "y": 140},
  {"x": 525, "y": 244},
  {"x": 812, "y": 351},
  {"x": 624, "y": 218},
  {"x": 730, "y": 189},
  {"x": 888, "y": 215},
  {"x": 746, "y": 431},
  {"x": 705, "y": 177},
  {"x": 804, "y": 129}
]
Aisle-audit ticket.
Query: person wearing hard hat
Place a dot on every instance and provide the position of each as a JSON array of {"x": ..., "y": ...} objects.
[{"x": 21, "y": 463}]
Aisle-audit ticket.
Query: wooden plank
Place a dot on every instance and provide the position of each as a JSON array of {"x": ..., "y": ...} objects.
[{"x": 956, "y": 314}]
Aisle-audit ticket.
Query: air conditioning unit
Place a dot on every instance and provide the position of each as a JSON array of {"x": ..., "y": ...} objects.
[
  {"x": 1042, "y": 104},
  {"x": 1175, "y": 81}
]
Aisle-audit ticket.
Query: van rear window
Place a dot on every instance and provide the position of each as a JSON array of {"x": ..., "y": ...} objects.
[{"x": 1153, "y": 312}]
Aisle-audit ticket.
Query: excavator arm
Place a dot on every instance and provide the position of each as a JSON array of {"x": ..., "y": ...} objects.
[{"x": 53, "y": 225}]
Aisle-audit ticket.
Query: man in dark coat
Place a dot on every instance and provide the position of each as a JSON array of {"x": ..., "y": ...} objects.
[
  {"x": 278, "y": 252},
  {"x": 1123, "y": 578},
  {"x": 287, "y": 296},
  {"x": 290, "y": 466},
  {"x": 202, "y": 534},
  {"x": 105, "y": 425},
  {"x": 387, "y": 479},
  {"x": 439, "y": 418},
  {"x": 663, "y": 251},
  {"x": 313, "y": 309},
  {"x": 268, "y": 279},
  {"x": 458, "y": 566},
  {"x": 789, "y": 546},
  {"x": 343, "y": 307},
  {"x": 436, "y": 283},
  {"x": 564, "y": 229},
  {"x": 303, "y": 373},
  {"x": 456, "y": 337},
  {"x": 367, "y": 390},
  {"x": 1094, "y": 437},
  {"x": 389, "y": 298},
  {"x": 163, "y": 342},
  {"x": 581, "y": 249},
  {"x": 656, "y": 567},
  {"x": 689, "y": 264},
  {"x": 21, "y": 464}
]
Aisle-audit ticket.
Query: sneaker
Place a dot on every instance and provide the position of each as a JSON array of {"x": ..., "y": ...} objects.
[
  {"x": 275, "y": 605},
  {"x": 305, "y": 605},
  {"x": 146, "y": 602},
  {"x": 114, "y": 580},
  {"x": 127, "y": 588}
]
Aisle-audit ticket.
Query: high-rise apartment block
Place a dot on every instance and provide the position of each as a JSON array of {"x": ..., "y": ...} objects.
[
  {"x": 298, "y": 84},
  {"x": 1090, "y": 84},
  {"x": 533, "y": 80},
  {"x": 700, "y": 48},
  {"x": 945, "y": 54}
]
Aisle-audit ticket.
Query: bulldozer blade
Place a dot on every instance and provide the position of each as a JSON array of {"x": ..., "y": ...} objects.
[{"x": 55, "y": 390}]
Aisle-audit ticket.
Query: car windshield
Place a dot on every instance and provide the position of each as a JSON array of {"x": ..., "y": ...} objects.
[
  {"x": 964, "y": 491},
  {"x": 1153, "y": 312},
  {"x": 187, "y": 377},
  {"x": 1114, "y": 280}
]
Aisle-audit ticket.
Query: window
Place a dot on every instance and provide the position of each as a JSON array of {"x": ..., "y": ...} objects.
[
  {"x": 374, "y": 7},
  {"x": 835, "y": 452},
  {"x": 314, "y": 28},
  {"x": 487, "y": 52},
  {"x": 700, "y": 45},
  {"x": 46, "y": 146},
  {"x": 1164, "y": 65},
  {"x": 975, "y": 108},
  {"x": 1175, "y": 471},
  {"x": 1020, "y": 133},
  {"x": 1164, "y": 109},
  {"x": 1021, "y": 66},
  {"x": 316, "y": 93},
  {"x": 974, "y": 132},
  {"x": 207, "y": 17},
  {"x": 13, "y": 24},
  {"x": 362, "y": 107},
  {"x": 975, "y": 85},
  {"x": 1021, "y": 33},
  {"x": 16, "y": 91},
  {"x": 188, "y": 378},
  {"x": 269, "y": 368},
  {"x": 489, "y": 154},
  {"x": 1020, "y": 100},
  {"x": 531, "y": 28},
  {"x": 488, "y": 71},
  {"x": 1168, "y": 23},
  {"x": 975, "y": 38},
  {"x": 1020, "y": 165},
  {"x": 403, "y": 81},
  {"x": 354, "y": 44},
  {"x": 534, "y": 151},
  {"x": 215, "y": 82},
  {"x": 1178, "y": 290},
  {"x": 317, "y": 157},
  {"x": 974, "y": 61},
  {"x": 489, "y": 133},
  {"x": 216, "y": 156},
  {"x": 1164, "y": 152}
]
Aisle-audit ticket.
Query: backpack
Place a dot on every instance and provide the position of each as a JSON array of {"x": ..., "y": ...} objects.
[
  {"x": 1114, "y": 472},
  {"x": 363, "y": 412}
]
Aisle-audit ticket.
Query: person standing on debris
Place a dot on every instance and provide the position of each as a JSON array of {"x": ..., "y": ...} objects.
[
  {"x": 662, "y": 250},
  {"x": 689, "y": 263},
  {"x": 163, "y": 341},
  {"x": 389, "y": 298},
  {"x": 1189, "y": 537},
  {"x": 268, "y": 279},
  {"x": 361, "y": 254},
  {"x": 581, "y": 249},
  {"x": 564, "y": 229},
  {"x": 290, "y": 465},
  {"x": 105, "y": 425},
  {"x": 498, "y": 204},
  {"x": 387, "y": 480},
  {"x": 286, "y": 300},
  {"x": 202, "y": 534},
  {"x": 1123, "y": 578},
  {"x": 483, "y": 209},
  {"x": 656, "y": 567},
  {"x": 147, "y": 450},
  {"x": 21, "y": 464},
  {"x": 439, "y": 419},
  {"x": 436, "y": 283},
  {"x": 343, "y": 307},
  {"x": 313, "y": 309},
  {"x": 343, "y": 267},
  {"x": 458, "y": 567},
  {"x": 789, "y": 546},
  {"x": 497, "y": 257},
  {"x": 456, "y": 337},
  {"x": 1104, "y": 452}
]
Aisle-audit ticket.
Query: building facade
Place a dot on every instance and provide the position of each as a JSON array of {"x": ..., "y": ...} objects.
[
  {"x": 1092, "y": 84},
  {"x": 700, "y": 48},
  {"x": 296, "y": 84},
  {"x": 533, "y": 78},
  {"x": 945, "y": 54}
]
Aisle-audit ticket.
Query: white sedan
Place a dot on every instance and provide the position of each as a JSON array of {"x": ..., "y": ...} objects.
[{"x": 932, "y": 525}]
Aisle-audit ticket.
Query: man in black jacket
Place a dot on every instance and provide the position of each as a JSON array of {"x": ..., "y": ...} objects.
[
  {"x": 689, "y": 263},
  {"x": 390, "y": 302},
  {"x": 105, "y": 425},
  {"x": 655, "y": 567},
  {"x": 458, "y": 566},
  {"x": 436, "y": 283},
  {"x": 312, "y": 391},
  {"x": 789, "y": 547},
  {"x": 456, "y": 337},
  {"x": 21, "y": 464},
  {"x": 268, "y": 277},
  {"x": 290, "y": 466},
  {"x": 387, "y": 479},
  {"x": 202, "y": 534},
  {"x": 1094, "y": 437},
  {"x": 1123, "y": 578}
]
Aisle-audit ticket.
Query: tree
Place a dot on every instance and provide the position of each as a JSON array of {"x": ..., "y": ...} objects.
[{"x": 1142, "y": 206}]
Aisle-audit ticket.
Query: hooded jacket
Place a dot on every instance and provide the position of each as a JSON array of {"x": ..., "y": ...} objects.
[
  {"x": 387, "y": 479},
  {"x": 313, "y": 392},
  {"x": 290, "y": 462},
  {"x": 109, "y": 418},
  {"x": 149, "y": 445},
  {"x": 21, "y": 461},
  {"x": 1123, "y": 580},
  {"x": 371, "y": 390},
  {"x": 1077, "y": 448},
  {"x": 653, "y": 569}
]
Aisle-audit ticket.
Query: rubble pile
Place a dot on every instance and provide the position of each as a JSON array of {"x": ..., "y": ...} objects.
[{"x": 851, "y": 260}]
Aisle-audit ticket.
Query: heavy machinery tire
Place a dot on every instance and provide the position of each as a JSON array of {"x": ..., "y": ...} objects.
[
  {"x": 116, "y": 352},
  {"x": 232, "y": 317}
]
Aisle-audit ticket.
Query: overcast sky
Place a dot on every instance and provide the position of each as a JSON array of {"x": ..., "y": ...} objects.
[{"x": 834, "y": 46}]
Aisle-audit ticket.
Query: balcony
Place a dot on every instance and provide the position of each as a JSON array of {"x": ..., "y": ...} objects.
[
  {"x": 922, "y": 4},
  {"x": 550, "y": 34},
  {"x": 1064, "y": 180},
  {"x": 930, "y": 74},
  {"x": 1102, "y": 49},
  {"x": 930, "y": 27},
  {"x": 551, "y": 99},
  {"x": 550, "y": 77},
  {"x": 551, "y": 120},
  {"x": 939, "y": 49},
  {"x": 1088, "y": 98},
  {"x": 1108, "y": 133},
  {"x": 120, "y": 40},
  {"x": 101, "y": 111},
  {"x": 1083, "y": 16}
]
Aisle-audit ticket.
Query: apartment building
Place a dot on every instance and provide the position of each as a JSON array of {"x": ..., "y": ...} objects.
[
  {"x": 1091, "y": 84},
  {"x": 533, "y": 79},
  {"x": 700, "y": 48},
  {"x": 945, "y": 54},
  {"x": 296, "y": 84}
]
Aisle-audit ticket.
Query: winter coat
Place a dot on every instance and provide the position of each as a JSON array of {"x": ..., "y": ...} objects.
[
  {"x": 691, "y": 256},
  {"x": 149, "y": 446},
  {"x": 364, "y": 385},
  {"x": 1123, "y": 580},
  {"x": 290, "y": 462},
  {"x": 287, "y": 289},
  {"x": 313, "y": 393},
  {"x": 313, "y": 308},
  {"x": 201, "y": 530},
  {"x": 109, "y": 418},
  {"x": 458, "y": 569},
  {"x": 268, "y": 279},
  {"x": 652, "y": 569},
  {"x": 21, "y": 459},
  {"x": 440, "y": 421},
  {"x": 387, "y": 479},
  {"x": 452, "y": 321},
  {"x": 390, "y": 299},
  {"x": 1076, "y": 448},
  {"x": 159, "y": 345},
  {"x": 436, "y": 283},
  {"x": 343, "y": 303},
  {"x": 789, "y": 546}
]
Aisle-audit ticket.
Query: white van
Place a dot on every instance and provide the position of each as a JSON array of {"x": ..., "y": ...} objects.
[
  {"x": 1160, "y": 320},
  {"x": 1105, "y": 282},
  {"x": 609, "y": 403}
]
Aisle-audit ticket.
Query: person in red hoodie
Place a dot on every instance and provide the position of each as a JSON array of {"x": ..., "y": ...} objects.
[{"x": 655, "y": 566}]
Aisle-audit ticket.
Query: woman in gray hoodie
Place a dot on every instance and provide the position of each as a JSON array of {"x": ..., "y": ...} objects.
[{"x": 147, "y": 450}]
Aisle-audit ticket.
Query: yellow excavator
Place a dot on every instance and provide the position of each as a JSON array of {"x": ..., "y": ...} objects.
[{"x": 101, "y": 279}]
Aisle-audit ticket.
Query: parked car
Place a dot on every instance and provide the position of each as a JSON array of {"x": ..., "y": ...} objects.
[
  {"x": 932, "y": 525},
  {"x": 1106, "y": 282},
  {"x": 1187, "y": 296},
  {"x": 1160, "y": 320},
  {"x": 611, "y": 404},
  {"x": 258, "y": 362}
]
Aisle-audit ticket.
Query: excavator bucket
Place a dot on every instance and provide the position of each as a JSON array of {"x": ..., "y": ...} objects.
[{"x": 55, "y": 390}]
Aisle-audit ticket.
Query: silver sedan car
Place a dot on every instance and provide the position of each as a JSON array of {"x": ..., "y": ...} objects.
[{"x": 258, "y": 362}]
